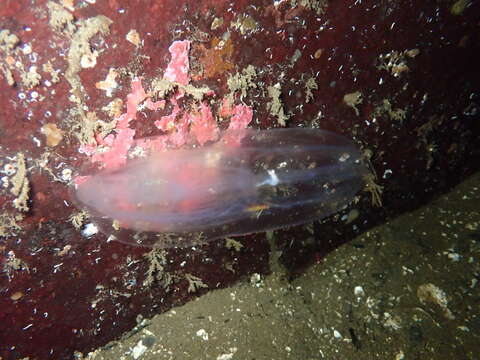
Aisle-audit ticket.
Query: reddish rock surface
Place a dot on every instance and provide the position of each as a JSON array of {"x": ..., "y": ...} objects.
[{"x": 399, "y": 77}]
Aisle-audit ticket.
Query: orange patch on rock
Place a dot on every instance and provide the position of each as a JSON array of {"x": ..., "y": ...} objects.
[
  {"x": 217, "y": 59},
  {"x": 52, "y": 133}
]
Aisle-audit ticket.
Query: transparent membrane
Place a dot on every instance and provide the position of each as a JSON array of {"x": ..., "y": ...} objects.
[{"x": 249, "y": 181}]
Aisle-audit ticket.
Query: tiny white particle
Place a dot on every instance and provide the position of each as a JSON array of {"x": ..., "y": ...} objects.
[
  {"x": 36, "y": 141},
  {"x": 387, "y": 173},
  {"x": 228, "y": 356},
  {"x": 5, "y": 181},
  {"x": 138, "y": 350},
  {"x": 89, "y": 230},
  {"x": 358, "y": 291},
  {"x": 344, "y": 157},
  {"x": 111, "y": 238},
  {"x": 27, "y": 49},
  {"x": 9, "y": 169},
  {"x": 66, "y": 174},
  {"x": 272, "y": 181},
  {"x": 203, "y": 334}
]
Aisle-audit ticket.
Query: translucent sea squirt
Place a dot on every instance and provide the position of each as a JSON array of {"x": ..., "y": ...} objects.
[{"x": 248, "y": 181}]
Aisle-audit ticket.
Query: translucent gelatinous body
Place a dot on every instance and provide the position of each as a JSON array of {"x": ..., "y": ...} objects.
[{"x": 249, "y": 181}]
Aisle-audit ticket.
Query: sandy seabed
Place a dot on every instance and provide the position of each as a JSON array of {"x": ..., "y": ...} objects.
[{"x": 404, "y": 290}]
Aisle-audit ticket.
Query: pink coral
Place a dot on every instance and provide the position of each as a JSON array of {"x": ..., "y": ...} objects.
[
  {"x": 242, "y": 116},
  {"x": 177, "y": 69},
  {"x": 204, "y": 127}
]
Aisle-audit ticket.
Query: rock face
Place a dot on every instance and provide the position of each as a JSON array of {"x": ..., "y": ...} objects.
[{"x": 83, "y": 83}]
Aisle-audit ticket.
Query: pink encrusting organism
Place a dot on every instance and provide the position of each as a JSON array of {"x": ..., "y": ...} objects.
[
  {"x": 179, "y": 66},
  {"x": 179, "y": 126},
  {"x": 204, "y": 126}
]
